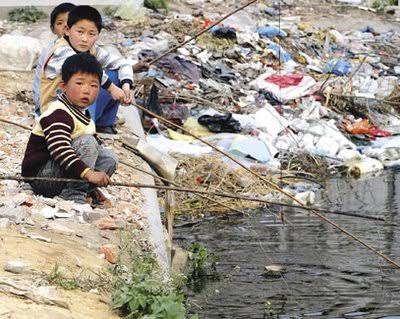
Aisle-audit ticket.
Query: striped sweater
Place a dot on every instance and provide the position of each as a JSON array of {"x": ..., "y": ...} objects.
[{"x": 52, "y": 136}]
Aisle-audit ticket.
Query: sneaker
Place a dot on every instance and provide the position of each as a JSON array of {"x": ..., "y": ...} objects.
[{"x": 106, "y": 130}]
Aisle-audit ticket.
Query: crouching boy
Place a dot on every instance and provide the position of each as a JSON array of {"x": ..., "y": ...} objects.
[{"x": 62, "y": 143}]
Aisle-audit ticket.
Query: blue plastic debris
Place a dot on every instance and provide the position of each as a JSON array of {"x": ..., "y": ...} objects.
[
  {"x": 272, "y": 12},
  {"x": 271, "y": 32},
  {"x": 339, "y": 67},
  {"x": 127, "y": 42},
  {"x": 278, "y": 52},
  {"x": 368, "y": 29}
]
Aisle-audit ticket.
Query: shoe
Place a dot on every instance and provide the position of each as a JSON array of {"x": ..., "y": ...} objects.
[
  {"x": 106, "y": 129},
  {"x": 97, "y": 196},
  {"x": 97, "y": 199}
]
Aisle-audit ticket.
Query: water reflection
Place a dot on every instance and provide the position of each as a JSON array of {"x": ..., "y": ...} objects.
[{"x": 328, "y": 275}]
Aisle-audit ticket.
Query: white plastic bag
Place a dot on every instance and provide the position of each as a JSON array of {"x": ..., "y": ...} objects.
[
  {"x": 130, "y": 10},
  {"x": 18, "y": 53}
]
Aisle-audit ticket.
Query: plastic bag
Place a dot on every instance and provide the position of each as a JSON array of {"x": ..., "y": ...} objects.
[
  {"x": 130, "y": 10},
  {"x": 220, "y": 123},
  {"x": 364, "y": 127},
  {"x": 271, "y": 32},
  {"x": 339, "y": 67}
]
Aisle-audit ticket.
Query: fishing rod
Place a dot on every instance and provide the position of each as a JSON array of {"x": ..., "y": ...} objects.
[
  {"x": 202, "y": 31},
  {"x": 191, "y": 190},
  {"x": 271, "y": 184},
  {"x": 247, "y": 198}
]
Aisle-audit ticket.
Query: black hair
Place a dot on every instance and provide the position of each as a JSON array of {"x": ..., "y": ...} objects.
[
  {"x": 85, "y": 13},
  {"x": 61, "y": 8},
  {"x": 81, "y": 63}
]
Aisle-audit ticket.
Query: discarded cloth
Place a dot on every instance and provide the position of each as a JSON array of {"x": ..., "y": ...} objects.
[
  {"x": 181, "y": 67},
  {"x": 223, "y": 32},
  {"x": 218, "y": 70},
  {"x": 220, "y": 123}
]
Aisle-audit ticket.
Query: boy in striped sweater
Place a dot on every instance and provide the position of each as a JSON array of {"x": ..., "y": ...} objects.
[{"x": 62, "y": 143}]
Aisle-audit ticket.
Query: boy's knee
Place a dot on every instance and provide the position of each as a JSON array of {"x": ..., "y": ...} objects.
[
  {"x": 113, "y": 160},
  {"x": 109, "y": 161},
  {"x": 86, "y": 141}
]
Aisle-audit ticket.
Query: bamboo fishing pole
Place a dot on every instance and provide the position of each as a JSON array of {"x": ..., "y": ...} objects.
[
  {"x": 194, "y": 191},
  {"x": 247, "y": 198},
  {"x": 202, "y": 31},
  {"x": 14, "y": 123},
  {"x": 271, "y": 184}
]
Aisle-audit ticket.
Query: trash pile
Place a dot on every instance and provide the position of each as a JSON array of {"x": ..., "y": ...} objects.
[{"x": 265, "y": 85}]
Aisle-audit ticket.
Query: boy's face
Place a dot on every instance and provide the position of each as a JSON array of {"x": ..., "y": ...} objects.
[
  {"x": 82, "y": 35},
  {"x": 60, "y": 25},
  {"x": 82, "y": 89}
]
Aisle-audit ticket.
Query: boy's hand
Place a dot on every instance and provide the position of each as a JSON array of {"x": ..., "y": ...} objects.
[
  {"x": 97, "y": 178},
  {"x": 116, "y": 93},
  {"x": 127, "y": 91},
  {"x": 120, "y": 95}
]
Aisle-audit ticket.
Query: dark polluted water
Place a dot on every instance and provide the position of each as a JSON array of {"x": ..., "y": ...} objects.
[{"x": 327, "y": 275}]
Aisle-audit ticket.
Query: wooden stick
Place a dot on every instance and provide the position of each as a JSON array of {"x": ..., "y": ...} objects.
[
  {"x": 194, "y": 191},
  {"x": 273, "y": 185},
  {"x": 14, "y": 123},
  {"x": 202, "y": 31}
]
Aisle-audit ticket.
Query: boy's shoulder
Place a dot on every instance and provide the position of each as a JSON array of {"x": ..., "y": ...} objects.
[
  {"x": 60, "y": 42},
  {"x": 54, "y": 106}
]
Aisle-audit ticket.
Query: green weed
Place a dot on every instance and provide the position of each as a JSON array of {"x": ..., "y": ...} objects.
[
  {"x": 156, "y": 4},
  {"x": 84, "y": 280},
  {"x": 29, "y": 14},
  {"x": 146, "y": 295},
  {"x": 202, "y": 267}
]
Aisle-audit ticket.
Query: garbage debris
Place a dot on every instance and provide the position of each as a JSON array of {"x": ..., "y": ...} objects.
[
  {"x": 18, "y": 53},
  {"x": 272, "y": 89},
  {"x": 220, "y": 123}
]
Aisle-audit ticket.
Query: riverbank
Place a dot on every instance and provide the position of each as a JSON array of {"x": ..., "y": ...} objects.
[{"x": 67, "y": 252}]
